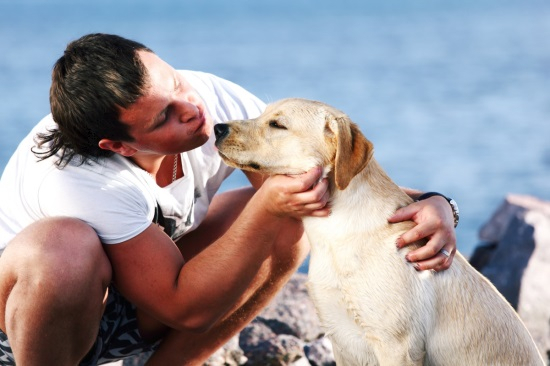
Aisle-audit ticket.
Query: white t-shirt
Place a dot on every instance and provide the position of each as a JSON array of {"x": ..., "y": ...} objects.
[{"x": 114, "y": 196}]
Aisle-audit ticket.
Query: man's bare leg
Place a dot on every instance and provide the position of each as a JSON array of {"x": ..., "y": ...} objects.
[
  {"x": 189, "y": 348},
  {"x": 53, "y": 281}
]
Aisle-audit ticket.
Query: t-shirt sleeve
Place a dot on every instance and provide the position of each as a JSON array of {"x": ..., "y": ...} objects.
[
  {"x": 237, "y": 102},
  {"x": 115, "y": 209}
]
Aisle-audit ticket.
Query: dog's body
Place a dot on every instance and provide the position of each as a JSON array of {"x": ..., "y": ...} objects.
[{"x": 374, "y": 306}]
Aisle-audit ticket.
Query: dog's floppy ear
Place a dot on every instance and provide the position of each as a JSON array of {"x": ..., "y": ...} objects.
[{"x": 353, "y": 150}]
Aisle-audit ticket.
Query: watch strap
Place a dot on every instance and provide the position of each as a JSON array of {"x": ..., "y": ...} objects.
[{"x": 452, "y": 203}]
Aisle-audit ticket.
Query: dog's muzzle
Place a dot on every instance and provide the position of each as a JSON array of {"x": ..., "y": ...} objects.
[{"x": 221, "y": 130}]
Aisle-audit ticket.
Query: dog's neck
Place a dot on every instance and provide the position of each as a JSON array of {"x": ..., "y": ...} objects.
[
  {"x": 374, "y": 186},
  {"x": 361, "y": 210}
]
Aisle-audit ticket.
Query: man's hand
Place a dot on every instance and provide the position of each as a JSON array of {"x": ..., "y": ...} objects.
[
  {"x": 297, "y": 195},
  {"x": 434, "y": 220}
]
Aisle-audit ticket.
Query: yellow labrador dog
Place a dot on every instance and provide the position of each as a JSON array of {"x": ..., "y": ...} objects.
[{"x": 374, "y": 306}]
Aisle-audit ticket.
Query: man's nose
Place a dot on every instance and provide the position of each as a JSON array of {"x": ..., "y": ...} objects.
[{"x": 221, "y": 130}]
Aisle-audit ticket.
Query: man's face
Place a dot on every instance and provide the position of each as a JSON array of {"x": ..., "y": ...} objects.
[{"x": 170, "y": 117}]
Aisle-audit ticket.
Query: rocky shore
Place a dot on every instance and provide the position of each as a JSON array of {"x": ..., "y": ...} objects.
[{"x": 514, "y": 254}]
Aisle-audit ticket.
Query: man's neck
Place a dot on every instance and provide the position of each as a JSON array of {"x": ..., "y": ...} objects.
[{"x": 161, "y": 168}]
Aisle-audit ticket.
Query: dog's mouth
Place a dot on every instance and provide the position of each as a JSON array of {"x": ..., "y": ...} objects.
[
  {"x": 254, "y": 166},
  {"x": 251, "y": 166}
]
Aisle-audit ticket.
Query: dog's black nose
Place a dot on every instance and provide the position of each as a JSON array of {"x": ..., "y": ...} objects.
[{"x": 221, "y": 130}]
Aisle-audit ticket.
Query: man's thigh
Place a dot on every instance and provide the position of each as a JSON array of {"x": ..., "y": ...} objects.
[
  {"x": 42, "y": 250},
  {"x": 53, "y": 277}
]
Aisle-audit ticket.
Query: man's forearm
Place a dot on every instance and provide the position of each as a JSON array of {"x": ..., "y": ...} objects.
[
  {"x": 412, "y": 193},
  {"x": 233, "y": 259}
]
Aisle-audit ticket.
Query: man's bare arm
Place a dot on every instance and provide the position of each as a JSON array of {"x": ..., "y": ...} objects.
[{"x": 150, "y": 270}]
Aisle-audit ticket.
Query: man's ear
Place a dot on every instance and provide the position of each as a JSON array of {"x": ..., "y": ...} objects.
[
  {"x": 118, "y": 147},
  {"x": 353, "y": 150}
]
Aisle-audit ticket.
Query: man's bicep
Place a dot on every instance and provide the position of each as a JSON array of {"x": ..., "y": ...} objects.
[{"x": 145, "y": 269}]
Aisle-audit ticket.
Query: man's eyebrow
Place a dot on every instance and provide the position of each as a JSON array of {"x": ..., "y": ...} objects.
[
  {"x": 156, "y": 119},
  {"x": 177, "y": 82},
  {"x": 152, "y": 123}
]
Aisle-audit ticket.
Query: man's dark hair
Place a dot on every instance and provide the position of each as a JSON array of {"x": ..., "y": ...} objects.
[{"x": 97, "y": 75}]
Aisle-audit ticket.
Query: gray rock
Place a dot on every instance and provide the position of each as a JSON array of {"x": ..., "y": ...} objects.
[
  {"x": 319, "y": 352},
  {"x": 255, "y": 333},
  {"x": 280, "y": 350},
  {"x": 515, "y": 256},
  {"x": 229, "y": 355},
  {"x": 292, "y": 311},
  {"x": 279, "y": 335}
]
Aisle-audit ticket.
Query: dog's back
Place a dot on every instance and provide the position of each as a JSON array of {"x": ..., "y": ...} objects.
[{"x": 474, "y": 321}]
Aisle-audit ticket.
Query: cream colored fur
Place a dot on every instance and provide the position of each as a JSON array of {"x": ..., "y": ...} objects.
[{"x": 374, "y": 306}]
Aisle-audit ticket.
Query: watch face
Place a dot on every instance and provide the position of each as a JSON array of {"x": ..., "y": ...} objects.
[{"x": 454, "y": 205}]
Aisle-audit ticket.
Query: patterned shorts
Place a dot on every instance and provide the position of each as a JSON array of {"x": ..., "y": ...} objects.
[{"x": 118, "y": 335}]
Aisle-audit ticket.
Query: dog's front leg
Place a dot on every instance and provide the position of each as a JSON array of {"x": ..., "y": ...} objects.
[
  {"x": 398, "y": 353},
  {"x": 338, "y": 357},
  {"x": 346, "y": 357}
]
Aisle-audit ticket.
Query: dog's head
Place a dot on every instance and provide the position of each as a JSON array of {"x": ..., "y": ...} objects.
[{"x": 293, "y": 136}]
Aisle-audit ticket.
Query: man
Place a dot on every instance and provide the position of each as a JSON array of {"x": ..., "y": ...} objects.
[{"x": 115, "y": 242}]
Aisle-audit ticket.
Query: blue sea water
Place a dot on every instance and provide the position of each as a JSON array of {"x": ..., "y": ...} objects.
[{"x": 454, "y": 94}]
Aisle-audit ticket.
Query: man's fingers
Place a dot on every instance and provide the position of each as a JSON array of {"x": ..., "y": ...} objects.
[
  {"x": 308, "y": 179},
  {"x": 437, "y": 254},
  {"x": 440, "y": 262},
  {"x": 324, "y": 212},
  {"x": 415, "y": 234},
  {"x": 314, "y": 200},
  {"x": 300, "y": 195},
  {"x": 315, "y": 194},
  {"x": 403, "y": 214}
]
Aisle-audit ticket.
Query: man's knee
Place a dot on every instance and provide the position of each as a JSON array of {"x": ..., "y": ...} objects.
[
  {"x": 54, "y": 232},
  {"x": 55, "y": 254}
]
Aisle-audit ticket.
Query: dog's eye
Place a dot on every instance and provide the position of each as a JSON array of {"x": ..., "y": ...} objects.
[{"x": 275, "y": 124}]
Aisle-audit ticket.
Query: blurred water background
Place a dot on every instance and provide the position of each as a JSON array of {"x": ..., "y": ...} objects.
[{"x": 455, "y": 95}]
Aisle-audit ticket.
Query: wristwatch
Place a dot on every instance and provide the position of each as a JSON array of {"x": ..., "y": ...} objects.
[{"x": 452, "y": 202}]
